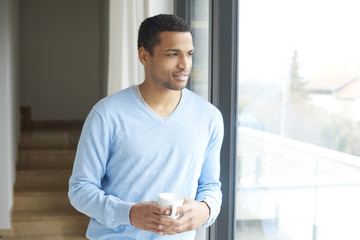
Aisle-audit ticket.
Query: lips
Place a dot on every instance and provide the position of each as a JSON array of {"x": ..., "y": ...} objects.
[{"x": 181, "y": 76}]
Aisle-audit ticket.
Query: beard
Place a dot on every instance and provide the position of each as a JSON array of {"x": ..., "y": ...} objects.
[{"x": 172, "y": 84}]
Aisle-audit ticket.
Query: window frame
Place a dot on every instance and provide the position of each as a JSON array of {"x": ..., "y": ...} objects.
[{"x": 223, "y": 94}]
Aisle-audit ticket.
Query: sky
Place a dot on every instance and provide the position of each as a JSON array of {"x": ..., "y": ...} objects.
[{"x": 321, "y": 31}]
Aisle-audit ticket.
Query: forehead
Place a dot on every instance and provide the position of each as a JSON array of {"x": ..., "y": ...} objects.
[{"x": 176, "y": 40}]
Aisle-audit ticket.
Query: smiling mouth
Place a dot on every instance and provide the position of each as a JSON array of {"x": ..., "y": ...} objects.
[{"x": 181, "y": 76}]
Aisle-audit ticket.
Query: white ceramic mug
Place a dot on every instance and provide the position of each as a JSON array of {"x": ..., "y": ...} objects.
[{"x": 171, "y": 201}]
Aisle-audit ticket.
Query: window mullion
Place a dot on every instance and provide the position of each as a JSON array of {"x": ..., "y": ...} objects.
[{"x": 223, "y": 95}]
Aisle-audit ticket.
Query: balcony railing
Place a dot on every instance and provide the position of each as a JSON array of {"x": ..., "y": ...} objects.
[{"x": 304, "y": 191}]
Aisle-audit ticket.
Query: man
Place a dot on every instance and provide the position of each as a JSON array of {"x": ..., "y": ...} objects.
[{"x": 147, "y": 139}]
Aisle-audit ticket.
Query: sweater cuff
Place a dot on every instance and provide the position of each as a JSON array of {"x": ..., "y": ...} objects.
[
  {"x": 212, "y": 215},
  {"x": 122, "y": 213}
]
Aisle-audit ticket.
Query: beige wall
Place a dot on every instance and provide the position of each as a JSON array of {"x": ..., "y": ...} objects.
[
  {"x": 60, "y": 57},
  {"x": 61, "y": 69},
  {"x": 9, "y": 113}
]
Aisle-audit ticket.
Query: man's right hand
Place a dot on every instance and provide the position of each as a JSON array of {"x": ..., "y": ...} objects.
[{"x": 145, "y": 216}]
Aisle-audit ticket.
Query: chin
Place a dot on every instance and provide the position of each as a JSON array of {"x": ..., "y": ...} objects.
[{"x": 175, "y": 87}]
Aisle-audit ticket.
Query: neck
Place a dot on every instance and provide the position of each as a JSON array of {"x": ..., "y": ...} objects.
[{"x": 163, "y": 101}]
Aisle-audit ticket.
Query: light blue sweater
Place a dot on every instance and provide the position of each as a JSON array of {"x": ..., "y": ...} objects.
[{"x": 128, "y": 154}]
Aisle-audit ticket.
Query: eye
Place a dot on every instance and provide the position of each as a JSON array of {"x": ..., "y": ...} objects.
[
  {"x": 171, "y": 54},
  {"x": 190, "y": 54}
]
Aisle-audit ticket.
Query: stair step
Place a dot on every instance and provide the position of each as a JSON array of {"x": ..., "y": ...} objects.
[
  {"x": 40, "y": 222},
  {"x": 46, "y": 159},
  {"x": 49, "y": 140},
  {"x": 41, "y": 200},
  {"x": 49, "y": 214},
  {"x": 50, "y": 237},
  {"x": 52, "y": 125},
  {"x": 30, "y": 189},
  {"x": 42, "y": 178},
  {"x": 41, "y": 207}
]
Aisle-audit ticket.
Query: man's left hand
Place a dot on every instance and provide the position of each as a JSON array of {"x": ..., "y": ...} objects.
[{"x": 194, "y": 214}]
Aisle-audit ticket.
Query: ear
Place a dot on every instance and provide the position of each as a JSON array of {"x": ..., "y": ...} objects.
[{"x": 143, "y": 56}]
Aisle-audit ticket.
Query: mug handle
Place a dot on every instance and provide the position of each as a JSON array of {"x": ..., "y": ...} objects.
[{"x": 173, "y": 211}]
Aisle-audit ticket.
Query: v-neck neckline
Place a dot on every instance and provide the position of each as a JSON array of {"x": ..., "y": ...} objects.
[{"x": 143, "y": 104}]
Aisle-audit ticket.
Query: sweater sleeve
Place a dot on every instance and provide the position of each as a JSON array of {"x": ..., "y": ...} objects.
[
  {"x": 85, "y": 192},
  {"x": 209, "y": 186}
]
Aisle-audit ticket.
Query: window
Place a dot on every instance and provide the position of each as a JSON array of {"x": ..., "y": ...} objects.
[
  {"x": 298, "y": 147},
  {"x": 199, "y": 81},
  {"x": 199, "y": 23},
  {"x": 217, "y": 58},
  {"x": 198, "y": 12}
]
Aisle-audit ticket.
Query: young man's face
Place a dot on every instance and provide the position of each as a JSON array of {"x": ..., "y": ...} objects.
[{"x": 170, "y": 65}]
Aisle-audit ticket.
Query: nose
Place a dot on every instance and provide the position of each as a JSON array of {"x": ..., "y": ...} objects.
[{"x": 184, "y": 62}]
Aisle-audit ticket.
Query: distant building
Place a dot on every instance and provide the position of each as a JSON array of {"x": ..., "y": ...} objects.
[{"x": 337, "y": 89}]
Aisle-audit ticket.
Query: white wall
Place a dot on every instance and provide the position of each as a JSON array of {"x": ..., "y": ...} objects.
[
  {"x": 8, "y": 106},
  {"x": 160, "y": 7},
  {"x": 60, "y": 59}
]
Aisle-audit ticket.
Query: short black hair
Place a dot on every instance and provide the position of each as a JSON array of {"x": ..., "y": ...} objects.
[{"x": 151, "y": 28}]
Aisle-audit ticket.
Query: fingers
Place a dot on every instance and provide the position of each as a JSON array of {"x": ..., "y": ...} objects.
[
  {"x": 142, "y": 216},
  {"x": 146, "y": 216},
  {"x": 194, "y": 214},
  {"x": 160, "y": 211},
  {"x": 169, "y": 226},
  {"x": 159, "y": 225},
  {"x": 164, "y": 225},
  {"x": 167, "y": 212}
]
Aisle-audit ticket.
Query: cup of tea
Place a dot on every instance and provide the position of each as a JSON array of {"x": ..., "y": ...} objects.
[{"x": 171, "y": 201}]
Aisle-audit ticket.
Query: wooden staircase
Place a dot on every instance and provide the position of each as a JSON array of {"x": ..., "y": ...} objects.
[{"x": 41, "y": 208}]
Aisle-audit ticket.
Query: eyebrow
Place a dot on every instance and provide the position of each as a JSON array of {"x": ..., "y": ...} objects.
[{"x": 176, "y": 50}]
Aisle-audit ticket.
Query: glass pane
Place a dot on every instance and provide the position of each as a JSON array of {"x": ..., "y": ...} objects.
[
  {"x": 199, "y": 24},
  {"x": 200, "y": 30},
  {"x": 298, "y": 164}
]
